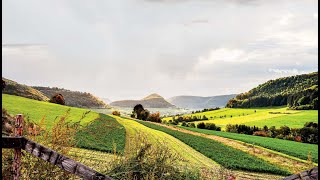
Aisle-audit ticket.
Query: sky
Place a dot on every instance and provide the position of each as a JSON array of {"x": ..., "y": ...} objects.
[{"x": 128, "y": 49}]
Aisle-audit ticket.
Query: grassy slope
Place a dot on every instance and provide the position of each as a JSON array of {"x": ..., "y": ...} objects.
[
  {"x": 224, "y": 155},
  {"x": 296, "y": 119},
  {"x": 101, "y": 132},
  {"x": 104, "y": 134},
  {"x": 292, "y": 148},
  {"x": 193, "y": 158},
  {"x": 36, "y": 110}
]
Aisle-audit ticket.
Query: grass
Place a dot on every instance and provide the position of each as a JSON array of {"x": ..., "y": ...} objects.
[
  {"x": 191, "y": 157},
  {"x": 99, "y": 132},
  {"x": 248, "y": 116},
  {"x": 103, "y": 134},
  {"x": 226, "y": 156},
  {"x": 292, "y": 148},
  {"x": 36, "y": 110}
]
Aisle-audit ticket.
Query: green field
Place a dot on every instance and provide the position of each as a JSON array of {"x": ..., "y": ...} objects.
[
  {"x": 36, "y": 110},
  {"x": 262, "y": 116},
  {"x": 100, "y": 131},
  {"x": 292, "y": 148},
  {"x": 103, "y": 134},
  {"x": 222, "y": 154},
  {"x": 191, "y": 158}
]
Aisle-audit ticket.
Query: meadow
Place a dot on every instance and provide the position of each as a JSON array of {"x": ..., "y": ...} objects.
[
  {"x": 224, "y": 155},
  {"x": 103, "y": 134},
  {"x": 98, "y": 132},
  {"x": 270, "y": 116},
  {"x": 190, "y": 157},
  {"x": 292, "y": 148},
  {"x": 36, "y": 110}
]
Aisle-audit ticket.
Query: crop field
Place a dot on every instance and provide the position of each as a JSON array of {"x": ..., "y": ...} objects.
[
  {"x": 103, "y": 134},
  {"x": 191, "y": 157},
  {"x": 222, "y": 154},
  {"x": 36, "y": 110},
  {"x": 279, "y": 116},
  {"x": 292, "y": 148}
]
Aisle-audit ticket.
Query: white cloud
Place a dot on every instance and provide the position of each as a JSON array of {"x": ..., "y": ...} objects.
[
  {"x": 226, "y": 55},
  {"x": 285, "y": 20},
  {"x": 286, "y": 71}
]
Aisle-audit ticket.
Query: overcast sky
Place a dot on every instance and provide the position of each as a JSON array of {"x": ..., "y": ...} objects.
[{"x": 127, "y": 49}]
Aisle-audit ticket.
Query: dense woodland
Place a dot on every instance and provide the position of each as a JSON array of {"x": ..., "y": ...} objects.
[{"x": 297, "y": 92}]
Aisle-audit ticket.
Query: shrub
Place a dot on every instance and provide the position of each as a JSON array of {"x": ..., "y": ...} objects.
[
  {"x": 58, "y": 99},
  {"x": 201, "y": 125},
  {"x": 183, "y": 124},
  {"x": 155, "y": 117},
  {"x": 116, "y": 113},
  {"x": 261, "y": 133},
  {"x": 210, "y": 126},
  {"x": 192, "y": 125}
]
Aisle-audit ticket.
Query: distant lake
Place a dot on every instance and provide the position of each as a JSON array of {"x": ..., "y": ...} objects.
[{"x": 162, "y": 111}]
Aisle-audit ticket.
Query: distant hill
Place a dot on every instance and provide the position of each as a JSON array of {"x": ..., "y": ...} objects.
[
  {"x": 199, "y": 102},
  {"x": 74, "y": 98},
  {"x": 297, "y": 92},
  {"x": 106, "y": 100},
  {"x": 17, "y": 89},
  {"x": 151, "y": 101}
]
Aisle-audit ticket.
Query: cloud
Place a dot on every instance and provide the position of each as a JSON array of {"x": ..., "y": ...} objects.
[
  {"x": 286, "y": 71},
  {"x": 315, "y": 16}
]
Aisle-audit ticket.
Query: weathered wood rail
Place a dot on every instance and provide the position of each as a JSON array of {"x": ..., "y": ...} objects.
[
  {"x": 311, "y": 174},
  {"x": 52, "y": 157}
]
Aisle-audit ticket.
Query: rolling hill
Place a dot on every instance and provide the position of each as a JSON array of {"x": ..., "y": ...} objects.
[
  {"x": 74, "y": 98},
  {"x": 22, "y": 90},
  {"x": 199, "y": 102},
  {"x": 297, "y": 92},
  {"x": 151, "y": 101}
]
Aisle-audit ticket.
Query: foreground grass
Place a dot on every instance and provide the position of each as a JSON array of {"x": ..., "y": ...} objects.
[
  {"x": 36, "y": 110},
  {"x": 103, "y": 134},
  {"x": 224, "y": 155},
  {"x": 292, "y": 148},
  {"x": 191, "y": 158},
  {"x": 258, "y": 117}
]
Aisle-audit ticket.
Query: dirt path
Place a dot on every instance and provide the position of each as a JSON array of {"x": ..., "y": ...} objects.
[{"x": 292, "y": 165}]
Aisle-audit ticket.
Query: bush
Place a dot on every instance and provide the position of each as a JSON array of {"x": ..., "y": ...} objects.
[
  {"x": 155, "y": 117},
  {"x": 261, "y": 133},
  {"x": 210, "y": 126},
  {"x": 191, "y": 125},
  {"x": 58, "y": 99},
  {"x": 201, "y": 125},
  {"x": 116, "y": 113},
  {"x": 183, "y": 124}
]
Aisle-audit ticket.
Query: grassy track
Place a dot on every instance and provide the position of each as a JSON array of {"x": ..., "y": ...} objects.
[
  {"x": 292, "y": 148},
  {"x": 36, "y": 110},
  {"x": 248, "y": 116},
  {"x": 193, "y": 158},
  {"x": 104, "y": 134},
  {"x": 224, "y": 155}
]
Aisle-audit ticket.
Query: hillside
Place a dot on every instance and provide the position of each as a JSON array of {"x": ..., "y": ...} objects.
[
  {"x": 22, "y": 90},
  {"x": 297, "y": 92},
  {"x": 74, "y": 98},
  {"x": 199, "y": 102},
  {"x": 151, "y": 101}
]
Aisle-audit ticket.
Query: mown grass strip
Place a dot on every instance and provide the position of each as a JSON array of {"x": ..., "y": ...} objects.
[
  {"x": 226, "y": 156},
  {"x": 292, "y": 148},
  {"x": 102, "y": 134}
]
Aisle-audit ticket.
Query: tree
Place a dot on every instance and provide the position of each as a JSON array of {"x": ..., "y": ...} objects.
[{"x": 3, "y": 84}]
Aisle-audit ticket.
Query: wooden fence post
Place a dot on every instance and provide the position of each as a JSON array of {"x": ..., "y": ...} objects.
[{"x": 17, "y": 151}]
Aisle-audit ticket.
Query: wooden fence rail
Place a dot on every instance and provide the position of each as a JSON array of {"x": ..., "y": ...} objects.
[{"x": 52, "y": 157}]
